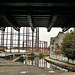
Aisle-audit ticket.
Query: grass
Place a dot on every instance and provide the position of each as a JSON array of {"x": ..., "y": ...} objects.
[
  {"x": 28, "y": 52},
  {"x": 61, "y": 61},
  {"x": 22, "y": 52}
]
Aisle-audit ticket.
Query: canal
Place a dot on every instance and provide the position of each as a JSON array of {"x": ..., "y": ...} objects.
[{"x": 40, "y": 62}]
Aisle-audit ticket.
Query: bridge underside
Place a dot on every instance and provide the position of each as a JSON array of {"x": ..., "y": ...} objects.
[{"x": 40, "y": 13}]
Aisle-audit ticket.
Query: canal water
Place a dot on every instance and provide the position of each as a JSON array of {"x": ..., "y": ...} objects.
[{"x": 40, "y": 63}]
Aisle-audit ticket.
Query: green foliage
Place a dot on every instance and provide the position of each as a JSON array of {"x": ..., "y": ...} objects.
[
  {"x": 41, "y": 55},
  {"x": 27, "y": 52},
  {"x": 48, "y": 47},
  {"x": 32, "y": 54},
  {"x": 51, "y": 42},
  {"x": 68, "y": 45},
  {"x": 32, "y": 58}
]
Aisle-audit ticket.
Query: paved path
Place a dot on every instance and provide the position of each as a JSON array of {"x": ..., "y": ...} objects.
[
  {"x": 15, "y": 59},
  {"x": 31, "y": 70},
  {"x": 60, "y": 63},
  {"x": 16, "y": 68}
]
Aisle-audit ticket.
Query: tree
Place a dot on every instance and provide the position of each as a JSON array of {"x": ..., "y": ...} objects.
[
  {"x": 68, "y": 45},
  {"x": 51, "y": 42},
  {"x": 48, "y": 47}
]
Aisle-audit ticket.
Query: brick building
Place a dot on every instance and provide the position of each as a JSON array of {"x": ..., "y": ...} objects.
[{"x": 55, "y": 43}]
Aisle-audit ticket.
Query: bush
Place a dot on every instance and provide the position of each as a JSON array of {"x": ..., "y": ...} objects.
[
  {"x": 32, "y": 54},
  {"x": 68, "y": 45},
  {"x": 41, "y": 55}
]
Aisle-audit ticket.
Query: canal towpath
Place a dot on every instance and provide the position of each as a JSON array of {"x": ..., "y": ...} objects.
[{"x": 61, "y": 64}]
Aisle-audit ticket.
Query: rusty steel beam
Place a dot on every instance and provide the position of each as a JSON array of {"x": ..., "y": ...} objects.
[
  {"x": 42, "y": 47},
  {"x": 30, "y": 44},
  {"x": 37, "y": 39},
  {"x": 46, "y": 47},
  {"x": 15, "y": 39},
  {"x": 23, "y": 38},
  {"x": 7, "y": 38},
  {"x": 15, "y": 42},
  {"x": 26, "y": 39},
  {"x": 2, "y": 39},
  {"x": 28, "y": 31},
  {"x": 19, "y": 41},
  {"x": 11, "y": 40},
  {"x": 32, "y": 40}
]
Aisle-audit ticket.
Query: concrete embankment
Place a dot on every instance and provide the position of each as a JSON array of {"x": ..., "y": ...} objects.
[{"x": 69, "y": 67}]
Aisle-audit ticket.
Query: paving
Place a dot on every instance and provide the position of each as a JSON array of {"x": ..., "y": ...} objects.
[
  {"x": 17, "y": 68},
  {"x": 65, "y": 65}
]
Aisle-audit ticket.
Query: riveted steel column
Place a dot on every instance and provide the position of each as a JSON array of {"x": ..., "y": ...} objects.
[
  {"x": 28, "y": 32},
  {"x": 15, "y": 41},
  {"x": 30, "y": 45},
  {"x": 37, "y": 39},
  {"x": 35, "y": 46},
  {"x": 7, "y": 39},
  {"x": 2, "y": 39},
  {"x": 19, "y": 40},
  {"x": 11, "y": 39},
  {"x": 23, "y": 38},
  {"x": 26, "y": 39},
  {"x": 32, "y": 40},
  {"x": 46, "y": 47},
  {"x": 42, "y": 47}
]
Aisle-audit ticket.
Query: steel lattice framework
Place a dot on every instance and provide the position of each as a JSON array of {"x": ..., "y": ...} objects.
[{"x": 24, "y": 39}]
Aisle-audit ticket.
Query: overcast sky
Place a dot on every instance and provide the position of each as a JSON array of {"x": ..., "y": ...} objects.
[{"x": 45, "y": 36}]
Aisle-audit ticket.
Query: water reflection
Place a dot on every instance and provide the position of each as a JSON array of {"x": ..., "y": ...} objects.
[
  {"x": 40, "y": 63},
  {"x": 37, "y": 62}
]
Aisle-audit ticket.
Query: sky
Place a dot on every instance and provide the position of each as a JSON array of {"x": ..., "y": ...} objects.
[{"x": 45, "y": 36}]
